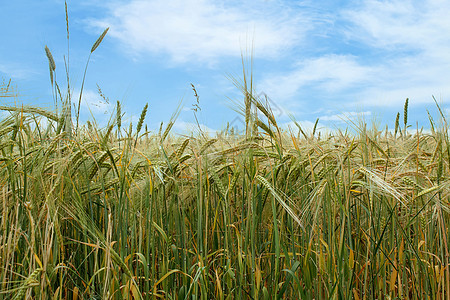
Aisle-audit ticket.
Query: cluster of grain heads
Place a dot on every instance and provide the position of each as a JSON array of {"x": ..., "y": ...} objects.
[
  {"x": 266, "y": 214},
  {"x": 29, "y": 282},
  {"x": 65, "y": 122},
  {"x": 217, "y": 217}
]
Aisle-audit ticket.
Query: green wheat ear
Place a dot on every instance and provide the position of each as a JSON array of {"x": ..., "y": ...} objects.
[
  {"x": 99, "y": 40},
  {"x": 141, "y": 118},
  {"x": 140, "y": 122},
  {"x": 397, "y": 124},
  {"x": 405, "y": 112},
  {"x": 405, "y": 116},
  {"x": 130, "y": 129},
  {"x": 315, "y": 127}
]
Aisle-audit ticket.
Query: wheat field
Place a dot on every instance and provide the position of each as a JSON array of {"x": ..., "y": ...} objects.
[
  {"x": 113, "y": 213},
  {"x": 91, "y": 212}
]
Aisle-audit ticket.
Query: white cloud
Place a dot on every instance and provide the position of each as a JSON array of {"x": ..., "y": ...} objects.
[
  {"x": 16, "y": 71},
  {"x": 4, "y": 114},
  {"x": 306, "y": 126},
  {"x": 187, "y": 127},
  {"x": 93, "y": 102},
  {"x": 413, "y": 36},
  {"x": 406, "y": 53},
  {"x": 332, "y": 73},
  {"x": 345, "y": 116},
  {"x": 446, "y": 112},
  {"x": 398, "y": 49},
  {"x": 382, "y": 96},
  {"x": 411, "y": 25},
  {"x": 202, "y": 30}
]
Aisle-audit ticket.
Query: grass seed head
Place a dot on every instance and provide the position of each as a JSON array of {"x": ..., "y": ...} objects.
[
  {"x": 405, "y": 112},
  {"x": 99, "y": 40},
  {"x": 50, "y": 58},
  {"x": 67, "y": 19},
  {"x": 141, "y": 118},
  {"x": 397, "y": 123},
  {"x": 119, "y": 115}
]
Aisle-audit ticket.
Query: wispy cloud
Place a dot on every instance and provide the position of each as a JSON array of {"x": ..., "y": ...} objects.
[
  {"x": 202, "y": 30},
  {"x": 401, "y": 25},
  {"x": 369, "y": 54},
  {"x": 181, "y": 126},
  {"x": 345, "y": 116},
  {"x": 306, "y": 126},
  {"x": 15, "y": 71},
  {"x": 398, "y": 49},
  {"x": 332, "y": 73},
  {"x": 92, "y": 102},
  {"x": 411, "y": 35}
]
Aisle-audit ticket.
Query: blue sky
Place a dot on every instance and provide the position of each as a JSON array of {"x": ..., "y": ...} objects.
[{"x": 314, "y": 59}]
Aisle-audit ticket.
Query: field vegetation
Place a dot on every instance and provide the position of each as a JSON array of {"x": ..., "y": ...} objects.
[
  {"x": 91, "y": 212},
  {"x": 113, "y": 213}
]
